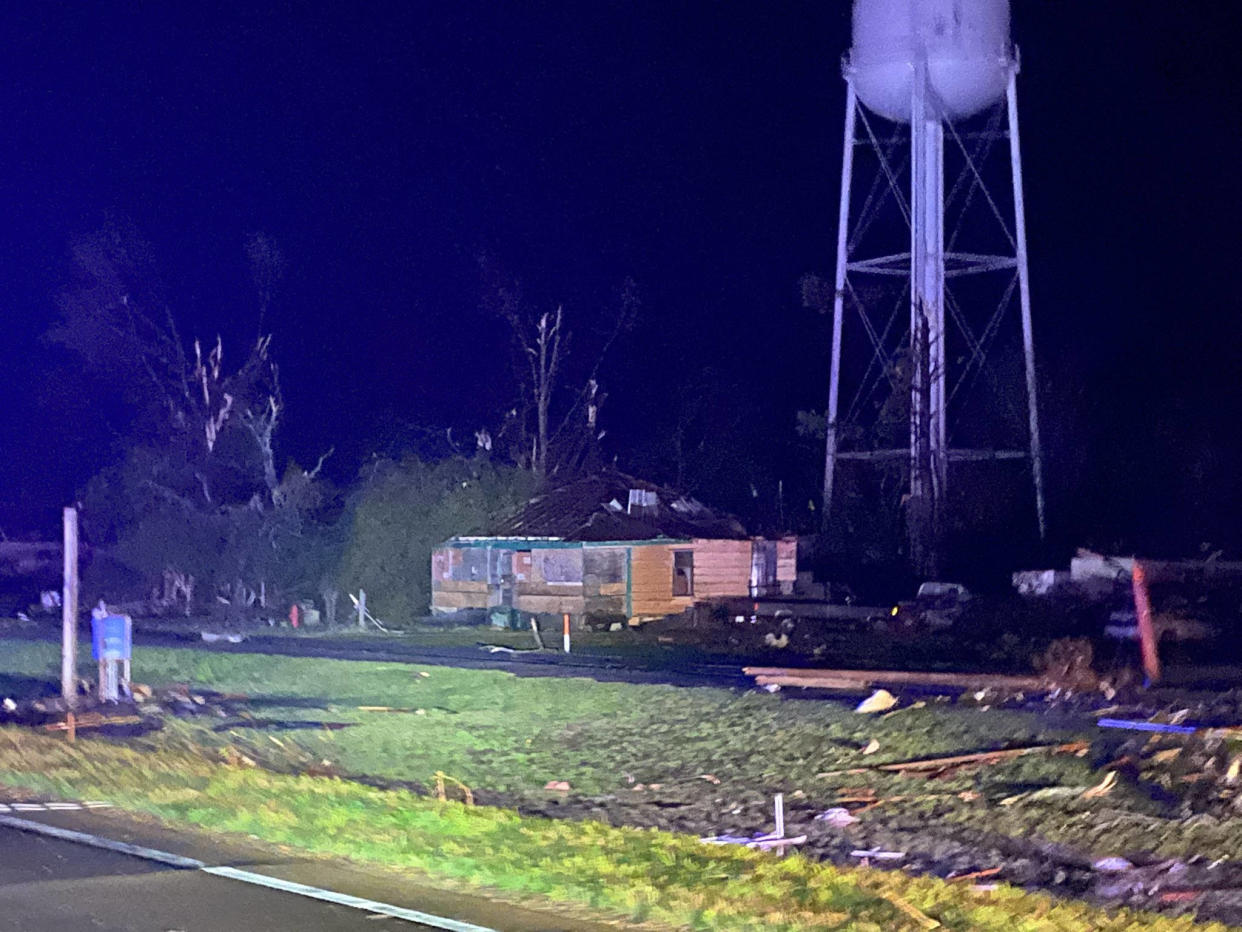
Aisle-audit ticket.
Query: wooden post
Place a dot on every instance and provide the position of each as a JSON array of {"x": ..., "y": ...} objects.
[
  {"x": 565, "y": 630},
  {"x": 1146, "y": 630},
  {"x": 69, "y": 613}
]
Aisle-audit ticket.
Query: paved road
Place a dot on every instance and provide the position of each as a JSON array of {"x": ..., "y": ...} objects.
[{"x": 49, "y": 885}]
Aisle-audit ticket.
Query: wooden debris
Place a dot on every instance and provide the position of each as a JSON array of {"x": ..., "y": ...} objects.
[
  {"x": 959, "y": 760},
  {"x": 1103, "y": 788},
  {"x": 974, "y": 875},
  {"x": 926, "y": 921},
  {"x": 386, "y": 708},
  {"x": 1178, "y": 896},
  {"x": 914, "y": 705},
  {"x": 878, "y": 854},
  {"x": 862, "y": 679},
  {"x": 90, "y": 720},
  {"x": 442, "y": 795},
  {"x": 764, "y": 842}
]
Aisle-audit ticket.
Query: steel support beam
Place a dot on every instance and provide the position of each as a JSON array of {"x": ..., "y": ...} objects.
[
  {"x": 1024, "y": 300},
  {"x": 838, "y": 302}
]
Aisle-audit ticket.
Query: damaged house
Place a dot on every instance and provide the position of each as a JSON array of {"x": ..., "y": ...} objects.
[{"x": 609, "y": 548}]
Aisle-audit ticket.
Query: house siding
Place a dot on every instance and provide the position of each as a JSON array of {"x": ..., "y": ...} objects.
[{"x": 598, "y": 580}]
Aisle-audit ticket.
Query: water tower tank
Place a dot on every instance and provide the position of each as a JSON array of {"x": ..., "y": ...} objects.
[{"x": 964, "y": 42}]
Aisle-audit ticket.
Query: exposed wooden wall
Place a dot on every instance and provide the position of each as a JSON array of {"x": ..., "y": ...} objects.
[
  {"x": 651, "y": 574},
  {"x": 721, "y": 567},
  {"x": 787, "y": 560}
]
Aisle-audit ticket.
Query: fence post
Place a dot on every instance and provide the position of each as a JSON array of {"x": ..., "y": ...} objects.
[
  {"x": 69, "y": 614},
  {"x": 565, "y": 630},
  {"x": 1147, "y": 632}
]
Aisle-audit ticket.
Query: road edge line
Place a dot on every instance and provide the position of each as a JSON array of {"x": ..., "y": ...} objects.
[
  {"x": 250, "y": 877},
  {"x": 346, "y": 899},
  {"x": 95, "y": 841}
]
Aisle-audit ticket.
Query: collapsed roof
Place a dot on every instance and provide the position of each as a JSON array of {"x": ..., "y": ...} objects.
[{"x": 614, "y": 506}]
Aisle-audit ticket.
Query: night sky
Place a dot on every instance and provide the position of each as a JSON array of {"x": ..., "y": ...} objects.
[{"x": 693, "y": 148}]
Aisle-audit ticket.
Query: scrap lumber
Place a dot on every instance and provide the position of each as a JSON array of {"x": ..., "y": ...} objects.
[
  {"x": 961, "y": 760},
  {"x": 91, "y": 720},
  {"x": 862, "y": 679}
]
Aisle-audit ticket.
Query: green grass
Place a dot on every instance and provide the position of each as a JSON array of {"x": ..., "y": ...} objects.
[
  {"x": 641, "y": 875},
  {"x": 514, "y": 733},
  {"x": 499, "y": 732}
]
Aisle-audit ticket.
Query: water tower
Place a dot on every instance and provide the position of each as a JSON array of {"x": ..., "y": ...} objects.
[{"x": 931, "y": 83}]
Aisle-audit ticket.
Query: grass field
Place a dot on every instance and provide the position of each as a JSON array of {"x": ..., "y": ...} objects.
[
  {"x": 700, "y": 760},
  {"x": 644, "y": 876}
]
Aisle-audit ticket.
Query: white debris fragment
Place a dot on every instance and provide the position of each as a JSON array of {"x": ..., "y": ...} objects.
[
  {"x": 879, "y": 701},
  {"x": 837, "y": 816}
]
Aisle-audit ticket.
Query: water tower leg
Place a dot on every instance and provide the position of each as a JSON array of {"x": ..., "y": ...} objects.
[
  {"x": 838, "y": 302},
  {"x": 928, "y": 456},
  {"x": 1024, "y": 293}
]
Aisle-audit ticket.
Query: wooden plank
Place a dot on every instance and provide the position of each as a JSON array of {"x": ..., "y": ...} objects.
[
  {"x": 450, "y": 585},
  {"x": 455, "y": 600},
  {"x": 839, "y": 679},
  {"x": 553, "y": 605},
  {"x": 960, "y": 760},
  {"x": 787, "y": 559}
]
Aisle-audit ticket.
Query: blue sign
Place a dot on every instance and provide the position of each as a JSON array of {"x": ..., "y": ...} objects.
[{"x": 112, "y": 637}]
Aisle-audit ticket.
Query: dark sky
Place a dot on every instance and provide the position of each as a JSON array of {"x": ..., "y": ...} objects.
[{"x": 694, "y": 148}]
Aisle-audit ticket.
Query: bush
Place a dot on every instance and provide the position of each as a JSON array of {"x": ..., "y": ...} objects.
[{"x": 401, "y": 511}]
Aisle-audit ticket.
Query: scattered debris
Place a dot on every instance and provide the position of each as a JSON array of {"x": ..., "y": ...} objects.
[
  {"x": 441, "y": 794},
  {"x": 558, "y": 786},
  {"x": 762, "y": 842},
  {"x": 233, "y": 637},
  {"x": 1103, "y": 788},
  {"x": 92, "y": 720},
  {"x": 1067, "y": 664},
  {"x": 862, "y": 679},
  {"x": 1111, "y": 865},
  {"x": 1146, "y": 726},
  {"x": 974, "y": 875},
  {"x": 871, "y": 747},
  {"x": 926, "y": 921},
  {"x": 386, "y": 708},
  {"x": 914, "y": 705},
  {"x": 879, "y": 701},
  {"x": 877, "y": 854},
  {"x": 838, "y": 817},
  {"x": 961, "y": 760}
]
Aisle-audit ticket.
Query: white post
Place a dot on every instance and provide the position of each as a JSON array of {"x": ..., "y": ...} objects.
[
  {"x": 69, "y": 613},
  {"x": 838, "y": 302},
  {"x": 780, "y": 814},
  {"x": 362, "y": 608},
  {"x": 1024, "y": 294}
]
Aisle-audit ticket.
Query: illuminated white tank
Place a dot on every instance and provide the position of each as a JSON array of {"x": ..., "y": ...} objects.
[{"x": 965, "y": 44}]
